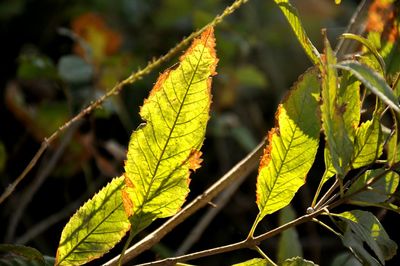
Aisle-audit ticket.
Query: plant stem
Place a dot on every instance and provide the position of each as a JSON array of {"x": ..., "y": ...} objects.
[
  {"x": 259, "y": 250},
  {"x": 326, "y": 226},
  {"x": 152, "y": 65},
  {"x": 243, "y": 168},
  {"x": 327, "y": 195}
]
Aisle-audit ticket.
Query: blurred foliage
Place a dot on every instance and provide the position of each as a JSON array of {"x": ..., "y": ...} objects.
[{"x": 61, "y": 55}]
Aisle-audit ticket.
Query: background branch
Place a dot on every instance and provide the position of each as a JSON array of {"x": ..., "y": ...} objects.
[{"x": 116, "y": 90}]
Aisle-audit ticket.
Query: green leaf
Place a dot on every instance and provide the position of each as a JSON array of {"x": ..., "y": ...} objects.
[
  {"x": 368, "y": 143},
  {"x": 338, "y": 125},
  {"x": 292, "y": 17},
  {"x": 74, "y": 69},
  {"x": 292, "y": 146},
  {"x": 253, "y": 262},
  {"x": 163, "y": 151},
  {"x": 363, "y": 227},
  {"x": 289, "y": 244},
  {"x": 345, "y": 259},
  {"x": 373, "y": 81},
  {"x": 393, "y": 149},
  {"x": 16, "y": 255},
  {"x": 379, "y": 191},
  {"x": 369, "y": 45},
  {"x": 297, "y": 261},
  {"x": 95, "y": 228}
]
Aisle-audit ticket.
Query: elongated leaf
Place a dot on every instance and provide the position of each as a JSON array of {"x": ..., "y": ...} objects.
[
  {"x": 95, "y": 228},
  {"x": 289, "y": 244},
  {"x": 16, "y": 255},
  {"x": 379, "y": 191},
  {"x": 253, "y": 262},
  {"x": 292, "y": 147},
  {"x": 292, "y": 17},
  {"x": 363, "y": 227},
  {"x": 373, "y": 81},
  {"x": 297, "y": 261},
  {"x": 337, "y": 126},
  {"x": 163, "y": 151},
  {"x": 368, "y": 144}
]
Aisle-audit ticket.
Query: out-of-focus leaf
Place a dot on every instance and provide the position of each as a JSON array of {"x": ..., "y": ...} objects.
[
  {"x": 250, "y": 76},
  {"x": 289, "y": 245},
  {"x": 297, "y": 261},
  {"x": 102, "y": 40},
  {"x": 34, "y": 66},
  {"x": 292, "y": 16},
  {"x": 73, "y": 69},
  {"x": 15, "y": 255},
  {"x": 368, "y": 143},
  {"x": 50, "y": 115},
  {"x": 373, "y": 81},
  {"x": 292, "y": 146},
  {"x": 338, "y": 127},
  {"x": 162, "y": 152},
  {"x": 244, "y": 137},
  {"x": 361, "y": 228},
  {"x": 345, "y": 259},
  {"x": 379, "y": 191},
  {"x": 95, "y": 228},
  {"x": 253, "y": 262}
]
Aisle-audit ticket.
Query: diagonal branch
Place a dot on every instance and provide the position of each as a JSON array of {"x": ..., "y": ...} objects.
[{"x": 116, "y": 90}]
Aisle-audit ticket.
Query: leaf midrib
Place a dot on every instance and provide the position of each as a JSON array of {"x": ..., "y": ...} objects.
[{"x": 146, "y": 198}]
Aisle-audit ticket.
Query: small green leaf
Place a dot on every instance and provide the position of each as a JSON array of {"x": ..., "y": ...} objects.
[
  {"x": 16, "y": 255},
  {"x": 373, "y": 81},
  {"x": 363, "y": 227},
  {"x": 95, "y": 228},
  {"x": 297, "y": 261},
  {"x": 292, "y": 17},
  {"x": 253, "y": 262},
  {"x": 289, "y": 244},
  {"x": 368, "y": 143},
  {"x": 163, "y": 151},
  {"x": 379, "y": 191},
  {"x": 74, "y": 69},
  {"x": 292, "y": 146},
  {"x": 338, "y": 125}
]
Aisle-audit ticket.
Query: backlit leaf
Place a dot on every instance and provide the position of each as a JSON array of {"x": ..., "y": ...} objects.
[
  {"x": 368, "y": 143},
  {"x": 292, "y": 17},
  {"x": 373, "y": 81},
  {"x": 297, "y": 261},
  {"x": 163, "y": 151},
  {"x": 338, "y": 127},
  {"x": 361, "y": 228},
  {"x": 95, "y": 228},
  {"x": 292, "y": 147},
  {"x": 377, "y": 192},
  {"x": 253, "y": 262}
]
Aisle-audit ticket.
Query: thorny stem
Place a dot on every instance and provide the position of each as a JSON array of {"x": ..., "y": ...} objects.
[{"x": 116, "y": 90}]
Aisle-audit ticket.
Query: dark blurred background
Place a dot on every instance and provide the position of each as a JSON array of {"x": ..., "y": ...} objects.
[{"x": 57, "y": 56}]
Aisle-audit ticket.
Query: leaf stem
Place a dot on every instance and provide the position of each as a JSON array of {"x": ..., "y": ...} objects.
[
  {"x": 326, "y": 226},
  {"x": 259, "y": 250},
  {"x": 327, "y": 195}
]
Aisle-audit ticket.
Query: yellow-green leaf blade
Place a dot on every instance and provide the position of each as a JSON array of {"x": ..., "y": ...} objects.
[
  {"x": 162, "y": 152},
  {"x": 368, "y": 144},
  {"x": 338, "y": 131},
  {"x": 292, "y": 147},
  {"x": 253, "y": 262},
  {"x": 292, "y": 17},
  {"x": 95, "y": 228}
]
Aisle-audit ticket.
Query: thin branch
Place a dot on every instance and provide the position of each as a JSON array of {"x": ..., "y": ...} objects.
[
  {"x": 41, "y": 176},
  {"x": 116, "y": 90},
  {"x": 243, "y": 168}
]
